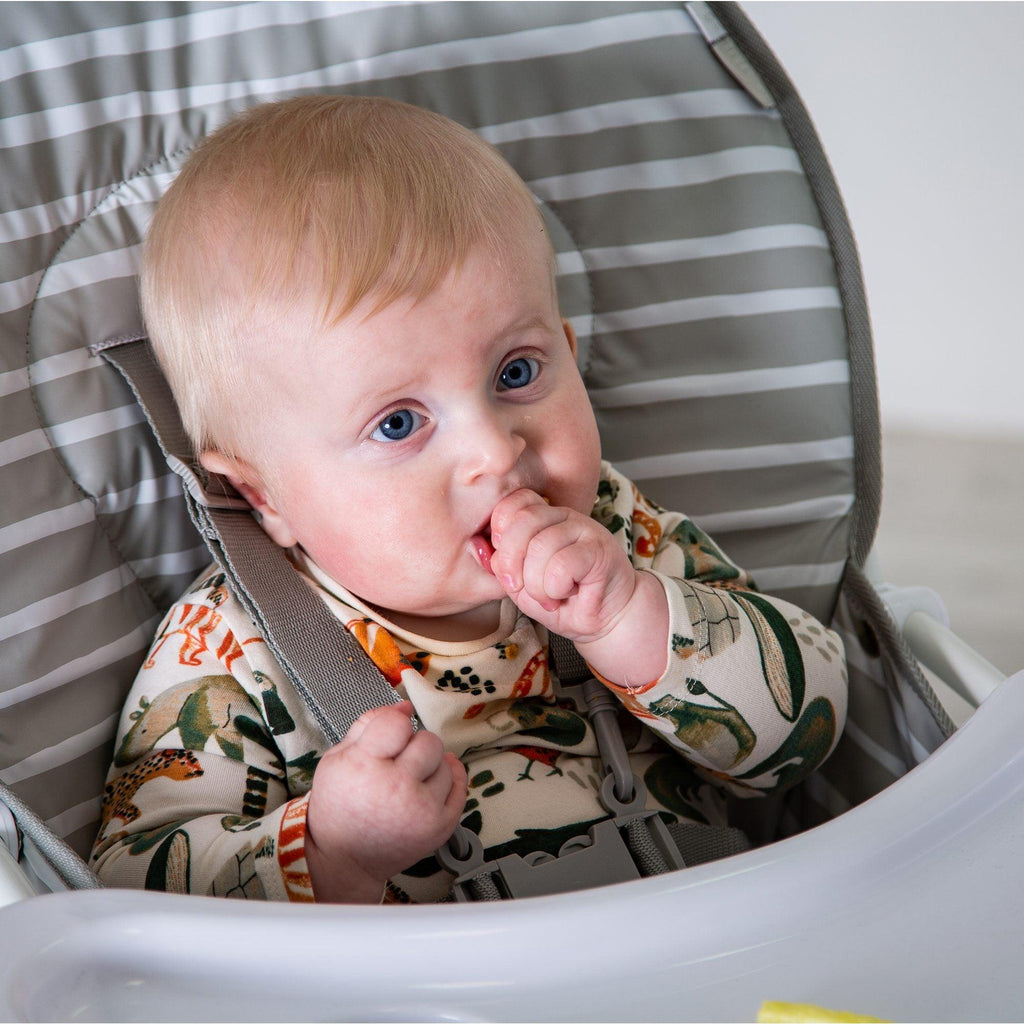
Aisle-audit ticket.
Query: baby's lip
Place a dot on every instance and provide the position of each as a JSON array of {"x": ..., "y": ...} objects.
[
  {"x": 484, "y": 528},
  {"x": 482, "y": 546}
]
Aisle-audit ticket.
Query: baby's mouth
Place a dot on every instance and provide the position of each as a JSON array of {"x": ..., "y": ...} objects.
[{"x": 482, "y": 547}]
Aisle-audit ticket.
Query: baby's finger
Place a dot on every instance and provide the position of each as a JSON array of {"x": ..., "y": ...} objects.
[
  {"x": 557, "y": 559},
  {"x": 455, "y": 801},
  {"x": 447, "y": 791},
  {"x": 509, "y": 507},
  {"x": 519, "y": 534},
  {"x": 422, "y": 756},
  {"x": 357, "y": 728},
  {"x": 576, "y": 565},
  {"x": 383, "y": 732}
]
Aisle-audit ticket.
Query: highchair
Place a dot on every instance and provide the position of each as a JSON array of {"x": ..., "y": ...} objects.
[{"x": 708, "y": 269}]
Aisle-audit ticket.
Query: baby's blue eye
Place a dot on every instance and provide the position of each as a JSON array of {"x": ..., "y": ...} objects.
[
  {"x": 518, "y": 373},
  {"x": 397, "y": 426}
]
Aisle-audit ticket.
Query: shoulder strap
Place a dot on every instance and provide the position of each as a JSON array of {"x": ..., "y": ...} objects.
[{"x": 324, "y": 662}]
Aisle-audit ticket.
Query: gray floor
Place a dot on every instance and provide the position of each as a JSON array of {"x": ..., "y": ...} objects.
[{"x": 951, "y": 520}]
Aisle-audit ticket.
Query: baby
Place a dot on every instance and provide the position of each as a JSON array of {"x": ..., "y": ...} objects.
[{"x": 354, "y": 303}]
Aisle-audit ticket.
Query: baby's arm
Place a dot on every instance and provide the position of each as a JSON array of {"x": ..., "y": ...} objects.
[
  {"x": 744, "y": 684},
  {"x": 197, "y": 800}
]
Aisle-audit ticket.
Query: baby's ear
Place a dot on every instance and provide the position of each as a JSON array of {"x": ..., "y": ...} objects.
[
  {"x": 570, "y": 336},
  {"x": 247, "y": 481}
]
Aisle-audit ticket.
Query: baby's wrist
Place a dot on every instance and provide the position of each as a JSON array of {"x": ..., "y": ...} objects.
[
  {"x": 634, "y": 651},
  {"x": 340, "y": 878}
]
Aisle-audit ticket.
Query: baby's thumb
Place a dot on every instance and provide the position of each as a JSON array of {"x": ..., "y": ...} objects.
[{"x": 359, "y": 726}]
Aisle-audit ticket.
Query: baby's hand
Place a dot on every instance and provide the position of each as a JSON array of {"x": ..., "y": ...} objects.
[
  {"x": 560, "y": 567},
  {"x": 566, "y": 571},
  {"x": 382, "y": 799}
]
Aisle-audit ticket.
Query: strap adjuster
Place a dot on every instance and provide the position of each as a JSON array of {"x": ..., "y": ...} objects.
[{"x": 215, "y": 493}]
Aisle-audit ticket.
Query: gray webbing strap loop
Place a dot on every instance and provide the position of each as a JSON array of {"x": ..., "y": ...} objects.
[
  {"x": 623, "y": 794},
  {"x": 646, "y": 834},
  {"x": 323, "y": 660},
  {"x": 601, "y": 710},
  {"x": 601, "y": 707}
]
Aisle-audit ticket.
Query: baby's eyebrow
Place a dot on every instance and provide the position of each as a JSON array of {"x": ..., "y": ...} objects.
[{"x": 531, "y": 323}]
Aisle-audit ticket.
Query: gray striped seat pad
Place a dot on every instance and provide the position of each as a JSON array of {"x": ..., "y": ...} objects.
[{"x": 692, "y": 262}]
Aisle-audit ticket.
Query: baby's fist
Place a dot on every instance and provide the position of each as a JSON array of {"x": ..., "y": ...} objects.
[
  {"x": 382, "y": 799},
  {"x": 560, "y": 567}
]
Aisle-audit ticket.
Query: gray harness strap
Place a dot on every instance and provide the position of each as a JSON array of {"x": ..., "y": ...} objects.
[{"x": 338, "y": 682}]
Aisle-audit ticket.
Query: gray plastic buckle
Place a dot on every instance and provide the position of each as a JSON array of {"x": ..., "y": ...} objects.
[
  {"x": 632, "y": 816},
  {"x": 600, "y": 857},
  {"x": 632, "y": 843}
]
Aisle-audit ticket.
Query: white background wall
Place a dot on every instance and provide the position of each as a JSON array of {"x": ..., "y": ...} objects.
[{"x": 920, "y": 107}]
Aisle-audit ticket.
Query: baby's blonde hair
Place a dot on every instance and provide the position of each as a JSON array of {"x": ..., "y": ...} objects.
[{"x": 341, "y": 198}]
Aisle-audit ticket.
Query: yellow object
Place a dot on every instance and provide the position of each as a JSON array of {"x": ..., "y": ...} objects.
[{"x": 799, "y": 1013}]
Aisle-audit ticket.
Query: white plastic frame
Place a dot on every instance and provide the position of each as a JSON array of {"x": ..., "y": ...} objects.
[{"x": 904, "y": 908}]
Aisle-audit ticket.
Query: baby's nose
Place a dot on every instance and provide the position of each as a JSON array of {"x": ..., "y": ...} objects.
[{"x": 493, "y": 448}]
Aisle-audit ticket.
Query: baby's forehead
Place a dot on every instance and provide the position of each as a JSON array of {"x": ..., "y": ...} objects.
[{"x": 290, "y": 302}]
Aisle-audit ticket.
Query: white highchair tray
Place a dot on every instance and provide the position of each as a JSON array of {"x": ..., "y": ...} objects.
[{"x": 905, "y": 908}]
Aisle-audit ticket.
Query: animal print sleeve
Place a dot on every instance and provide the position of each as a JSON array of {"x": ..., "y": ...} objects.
[
  {"x": 755, "y": 688},
  {"x": 212, "y": 764}
]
